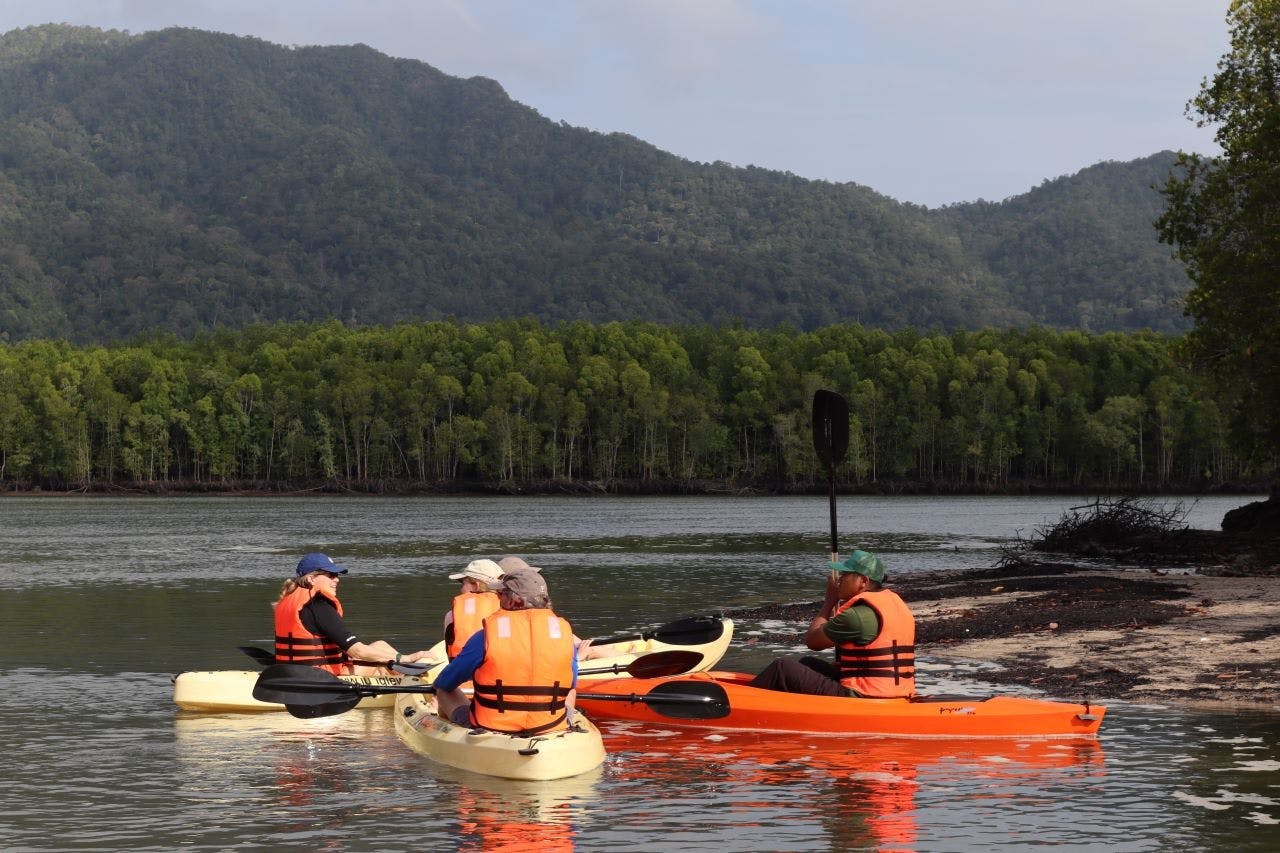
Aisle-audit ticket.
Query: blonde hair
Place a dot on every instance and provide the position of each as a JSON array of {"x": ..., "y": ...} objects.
[{"x": 291, "y": 584}]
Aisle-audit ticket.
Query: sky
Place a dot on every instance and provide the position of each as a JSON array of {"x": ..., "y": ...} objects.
[{"x": 926, "y": 101}]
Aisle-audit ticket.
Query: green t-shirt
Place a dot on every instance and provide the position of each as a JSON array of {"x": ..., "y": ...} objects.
[{"x": 857, "y": 624}]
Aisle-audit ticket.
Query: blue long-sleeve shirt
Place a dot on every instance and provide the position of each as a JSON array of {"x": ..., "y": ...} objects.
[{"x": 464, "y": 666}]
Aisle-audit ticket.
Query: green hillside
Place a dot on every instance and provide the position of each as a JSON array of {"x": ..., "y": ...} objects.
[{"x": 184, "y": 180}]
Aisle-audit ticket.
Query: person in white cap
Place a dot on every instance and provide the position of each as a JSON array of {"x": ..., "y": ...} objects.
[{"x": 477, "y": 598}]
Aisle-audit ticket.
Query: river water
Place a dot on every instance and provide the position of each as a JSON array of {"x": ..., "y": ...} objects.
[{"x": 103, "y": 600}]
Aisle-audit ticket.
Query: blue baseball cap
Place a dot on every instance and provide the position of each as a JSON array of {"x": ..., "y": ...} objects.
[{"x": 318, "y": 563}]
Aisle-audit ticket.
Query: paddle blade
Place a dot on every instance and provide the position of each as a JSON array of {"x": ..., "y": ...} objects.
[
  {"x": 655, "y": 665},
  {"x": 679, "y": 700},
  {"x": 663, "y": 664},
  {"x": 326, "y": 709},
  {"x": 689, "y": 631},
  {"x": 830, "y": 427},
  {"x": 295, "y": 684},
  {"x": 689, "y": 700}
]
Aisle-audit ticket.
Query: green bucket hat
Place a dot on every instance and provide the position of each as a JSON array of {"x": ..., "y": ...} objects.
[{"x": 863, "y": 563}]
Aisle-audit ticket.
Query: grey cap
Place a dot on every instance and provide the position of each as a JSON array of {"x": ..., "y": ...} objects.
[{"x": 530, "y": 586}]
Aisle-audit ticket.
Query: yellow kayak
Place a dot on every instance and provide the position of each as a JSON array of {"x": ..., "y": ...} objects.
[
  {"x": 230, "y": 691},
  {"x": 555, "y": 755}
]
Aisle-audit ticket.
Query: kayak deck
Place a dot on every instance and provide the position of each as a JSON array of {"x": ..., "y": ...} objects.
[
  {"x": 555, "y": 755},
  {"x": 230, "y": 691},
  {"x": 769, "y": 710}
]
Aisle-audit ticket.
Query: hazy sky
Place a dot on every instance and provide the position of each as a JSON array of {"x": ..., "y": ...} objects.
[{"x": 928, "y": 101}]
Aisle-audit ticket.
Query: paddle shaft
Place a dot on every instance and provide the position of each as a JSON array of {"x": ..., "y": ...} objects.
[
  {"x": 831, "y": 442},
  {"x": 663, "y": 699},
  {"x": 266, "y": 658}
]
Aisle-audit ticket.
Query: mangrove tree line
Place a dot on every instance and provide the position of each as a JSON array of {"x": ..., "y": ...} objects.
[{"x": 518, "y": 403}]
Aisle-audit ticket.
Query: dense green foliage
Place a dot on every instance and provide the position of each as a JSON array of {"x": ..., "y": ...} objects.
[
  {"x": 1224, "y": 218},
  {"x": 185, "y": 181},
  {"x": 515, "y": 402}
]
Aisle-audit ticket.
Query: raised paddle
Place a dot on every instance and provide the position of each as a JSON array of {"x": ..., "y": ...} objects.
[
  {"x": 265, "y": 658},
  {"x": 689, "y": 631},
  {"x": 831, "y": 442},
  {"x": 308, "y": 692}
]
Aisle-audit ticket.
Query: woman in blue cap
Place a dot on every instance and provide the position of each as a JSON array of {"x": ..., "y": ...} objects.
[
  {"x": 873, "y": 634},
  {"x": 310, "y": 630}
]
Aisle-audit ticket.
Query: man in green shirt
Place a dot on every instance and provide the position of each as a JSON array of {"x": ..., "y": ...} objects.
[{"x": 871, "y": 629}]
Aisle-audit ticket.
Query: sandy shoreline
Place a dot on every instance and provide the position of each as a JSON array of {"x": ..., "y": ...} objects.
[{"x": 1072, "y": 633}]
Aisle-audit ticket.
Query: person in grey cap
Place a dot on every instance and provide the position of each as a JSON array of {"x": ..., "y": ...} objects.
[
  {"x": 871, "y": 629},
  {"x": 521, "y": 664},
  {"x": 512, "y": 564},
  {"x": 309, "y": 627}
]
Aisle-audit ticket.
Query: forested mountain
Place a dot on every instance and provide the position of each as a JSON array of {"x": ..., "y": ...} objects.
[{"x": 182, "y": 180}]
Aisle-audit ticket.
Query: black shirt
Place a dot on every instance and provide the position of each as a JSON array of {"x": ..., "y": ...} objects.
[{"x": 320, "y": 617}]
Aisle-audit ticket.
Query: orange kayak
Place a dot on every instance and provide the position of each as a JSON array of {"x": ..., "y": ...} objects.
[{"x": 771, "y": 710}]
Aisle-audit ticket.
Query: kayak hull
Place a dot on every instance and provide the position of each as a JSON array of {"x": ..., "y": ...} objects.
[
  {"x": 556, "y": 755},
  {"x": 752, "y": 708}
]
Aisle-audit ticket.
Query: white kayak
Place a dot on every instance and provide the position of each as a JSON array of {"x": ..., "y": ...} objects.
[{"x": 555, "y": 755}]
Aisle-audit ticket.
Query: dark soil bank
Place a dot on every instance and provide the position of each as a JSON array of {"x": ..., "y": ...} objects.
[{"x": 1076, "y": 633}]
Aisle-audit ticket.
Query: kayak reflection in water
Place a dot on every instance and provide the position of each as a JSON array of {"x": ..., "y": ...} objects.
[
  {"x": 309, "y": 628},
  {"x": 521, "y": 664},
  {"x": 871, "y": 629}
]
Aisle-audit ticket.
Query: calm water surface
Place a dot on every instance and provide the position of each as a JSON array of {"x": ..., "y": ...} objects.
[{"x": 102, "y": 600}]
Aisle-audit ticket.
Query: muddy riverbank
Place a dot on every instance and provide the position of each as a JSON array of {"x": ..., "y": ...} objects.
[{"x": 1174, "y": 637}]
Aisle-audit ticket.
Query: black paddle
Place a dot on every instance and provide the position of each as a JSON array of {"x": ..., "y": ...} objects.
[
  {"x": 680, "y": 700},
  {"x": 656, "y": 665},
  {"x": 690, "y": 631},
  {"x": 265, "y": 658},
  {"x": 308, "y": 692},
  {"x": 831, "y": 442}
]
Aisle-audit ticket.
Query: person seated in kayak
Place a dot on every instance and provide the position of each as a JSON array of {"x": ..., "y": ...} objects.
[
  {"x": 521, "y": 664},
  {"x": 310, "y": 630},
  {"x": 510, "y": 564},
  {"x": 475, "y": 600},
  {"x": 873, "y": 634}
]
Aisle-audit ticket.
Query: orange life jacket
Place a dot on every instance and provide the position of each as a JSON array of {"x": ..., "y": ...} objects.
[
  {"x": 295, "y": 644},
  {"x": 469, "y": 610},
  {"x": 526, "y": 674},
  {"x": 886, "y": 666}
]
